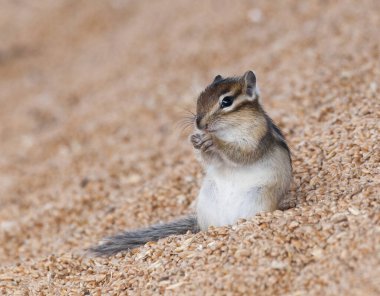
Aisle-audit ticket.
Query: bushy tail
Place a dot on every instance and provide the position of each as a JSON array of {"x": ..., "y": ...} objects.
[{"x": 132, "y": 239}]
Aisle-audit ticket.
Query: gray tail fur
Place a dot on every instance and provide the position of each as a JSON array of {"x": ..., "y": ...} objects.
[{"x": 132, "y": 239}]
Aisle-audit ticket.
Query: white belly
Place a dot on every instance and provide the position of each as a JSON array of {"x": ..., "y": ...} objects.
[{"x": 230, "y": 194}]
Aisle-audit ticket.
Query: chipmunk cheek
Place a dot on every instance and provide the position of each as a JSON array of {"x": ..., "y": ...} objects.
[{"x": 220, "y": 125}]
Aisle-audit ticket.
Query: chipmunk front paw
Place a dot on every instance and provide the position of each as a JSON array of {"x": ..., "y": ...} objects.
[{"x": 202, "y": 141}]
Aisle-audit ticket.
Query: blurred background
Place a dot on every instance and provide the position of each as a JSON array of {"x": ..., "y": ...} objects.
[{"x": 92, "y": 94}]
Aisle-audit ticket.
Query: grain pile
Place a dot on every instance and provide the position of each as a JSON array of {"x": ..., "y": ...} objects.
[{"x": 91, "y": 96}]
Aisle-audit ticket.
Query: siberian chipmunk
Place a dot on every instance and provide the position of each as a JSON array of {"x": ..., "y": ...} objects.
[{"x": 247, "y": 163}]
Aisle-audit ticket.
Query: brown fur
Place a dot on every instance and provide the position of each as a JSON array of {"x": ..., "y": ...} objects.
[{"x": 245, "y": 118}]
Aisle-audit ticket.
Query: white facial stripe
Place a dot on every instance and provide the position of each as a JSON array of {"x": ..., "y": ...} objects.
[
  {"x": 239, "y": 99},
  {"x": 217, "y": 106},
  {"x": 230, "y": 93}
]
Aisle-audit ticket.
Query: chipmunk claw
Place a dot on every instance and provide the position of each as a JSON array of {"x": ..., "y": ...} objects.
[
  {"x": 201, "y": 141},
  {"x": 207, "y": 145}
]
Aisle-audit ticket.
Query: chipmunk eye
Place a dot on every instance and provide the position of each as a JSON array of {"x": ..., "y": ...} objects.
[{"x": 226, "y": 102}]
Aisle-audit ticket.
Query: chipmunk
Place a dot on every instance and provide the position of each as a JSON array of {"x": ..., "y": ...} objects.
[{"x": 247, "y": 163}]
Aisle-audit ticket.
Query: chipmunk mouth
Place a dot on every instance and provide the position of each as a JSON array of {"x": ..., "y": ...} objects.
[
  {"x": 210, "y": 130},
  {"x": 207, "y": 130},
  {"x": 216, "y": 128}
]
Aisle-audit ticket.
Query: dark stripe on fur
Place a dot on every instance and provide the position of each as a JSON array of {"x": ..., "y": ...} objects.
[
  {"x": 132, "y": 239},
  {"x": 277, "y": 134}
]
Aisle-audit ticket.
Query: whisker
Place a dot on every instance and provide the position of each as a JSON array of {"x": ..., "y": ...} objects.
[
  {"x": 186, "y": 122},
  {"x": 189, "y": 113}
]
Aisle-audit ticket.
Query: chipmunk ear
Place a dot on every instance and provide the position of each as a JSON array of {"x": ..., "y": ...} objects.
[
  {"x": 217, "y": 78},
  {"x": 249, "y": 83}
]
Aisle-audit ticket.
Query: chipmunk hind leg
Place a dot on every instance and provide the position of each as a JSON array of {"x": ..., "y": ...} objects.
[{"x": 269, "y": 199}]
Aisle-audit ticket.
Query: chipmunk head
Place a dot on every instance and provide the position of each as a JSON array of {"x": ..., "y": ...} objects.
[{"x": 228, "y": 105}]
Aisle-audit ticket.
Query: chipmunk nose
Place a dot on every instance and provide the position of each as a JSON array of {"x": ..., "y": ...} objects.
[
  {"x": 200, "y": 125},
  {"x": 198, "y": 122}
]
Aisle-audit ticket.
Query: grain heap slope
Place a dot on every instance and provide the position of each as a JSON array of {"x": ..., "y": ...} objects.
[{"x": 91, "y": 97}]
